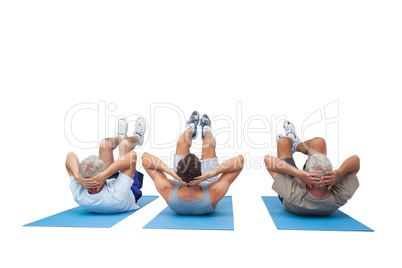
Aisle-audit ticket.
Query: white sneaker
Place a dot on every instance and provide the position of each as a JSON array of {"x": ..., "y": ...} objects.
[
  {"x": 280, "y": 136},
  {"x": 139, "y": 129},
  {"x": 290, "y": 131},
  {"x": 122, "y": 127}
]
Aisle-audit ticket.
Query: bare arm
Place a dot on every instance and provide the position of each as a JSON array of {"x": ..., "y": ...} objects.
[
  {"x": 123, "y": 163},
  {"x": 72, "y": 164},
  {"x": 150, "y": 161},
  {"x": 275, "y": 165},
  {"x": 229, "y": 169},
  {"x": 156, "y": 169},
  {"x": 352, "y": 164},
  {"x": 233, "y": 165}
]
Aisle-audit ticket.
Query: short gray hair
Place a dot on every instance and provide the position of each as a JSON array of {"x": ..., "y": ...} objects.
[
  {"x": 90, "y": 166},
  {"x": 318, "y": 163}
]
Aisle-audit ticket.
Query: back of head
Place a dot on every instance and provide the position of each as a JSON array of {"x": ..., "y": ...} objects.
[
  {"x": 189, "y": 168},
  {"x": 318, "y": 163},
  {"x": 90, "y": 166}
]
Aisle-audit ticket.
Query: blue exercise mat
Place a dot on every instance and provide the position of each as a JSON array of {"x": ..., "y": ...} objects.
[
  {"x": 220, "y": 219},
  {"x": 80, "y": 217},
  {"x": 284, "y": 220}
]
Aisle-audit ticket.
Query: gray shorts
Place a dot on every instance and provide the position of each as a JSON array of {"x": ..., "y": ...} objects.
[{"x": 206, "y": 165}]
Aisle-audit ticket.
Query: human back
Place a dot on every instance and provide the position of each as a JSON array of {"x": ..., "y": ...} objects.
[{"x": 200, "y": 206}]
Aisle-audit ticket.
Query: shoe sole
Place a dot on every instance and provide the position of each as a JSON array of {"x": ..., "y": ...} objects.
[
  {"x": 196, "y": 122},
  {"x": 204, "y": 123},
  {"x": 144, "y": 125},
  {"x": 124, "y": 131}
]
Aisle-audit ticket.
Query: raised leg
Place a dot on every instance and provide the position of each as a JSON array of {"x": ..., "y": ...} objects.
[
  {"x": 133, "y": 162},
  {"x": 128, "y": 144},
  {"x": 313, "y": 146},
  {"x": 284, "y": 147},
  {"x": 106, "y": 148},
  {"x": 208, "y": 146},
  {"x": 184, "y": 142}
]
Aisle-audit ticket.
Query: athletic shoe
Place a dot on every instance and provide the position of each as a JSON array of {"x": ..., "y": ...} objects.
[
  {"x": 280, "y": 136},
  {"x": 192, "y": 123},
  {"x": 205, "y": 124},
  {"x": 139, "y": 129},
  {"x": 122, "y": 127},
  {"x": 290, "y": 131}
]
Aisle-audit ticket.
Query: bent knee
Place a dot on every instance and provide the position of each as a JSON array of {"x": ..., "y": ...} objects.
[
  {"x": 284, "y": 142},
  {"x": 104, "y": 143},
  {"x": 181, "y": 141},
  {"x": 319, "y": 141}
]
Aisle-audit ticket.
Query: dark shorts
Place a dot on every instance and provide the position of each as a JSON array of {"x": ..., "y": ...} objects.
[
  {"x": 137, "y": 183},
  {"x": 291, "y": 161}
]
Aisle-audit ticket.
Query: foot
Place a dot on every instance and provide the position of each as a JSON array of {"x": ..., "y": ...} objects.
[
  {"x": 290, "y": 131},
  {"x": 280, "y": 136},
  {"x": 205, "y": 124},
  {"x": 139, "y": 129},
  {"x": 192, "y": 123},
  {"x": 122, "y": 127}
]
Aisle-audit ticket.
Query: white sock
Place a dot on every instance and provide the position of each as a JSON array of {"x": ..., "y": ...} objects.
[
  {"x": 191, "y": 125},
  {"x": 205, "y": 129},
  {"x": 139, "y": 136}
]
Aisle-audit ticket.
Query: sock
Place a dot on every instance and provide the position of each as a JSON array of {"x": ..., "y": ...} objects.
[
  {"x": 294, "y": 146},
  {"x": 139, "y": 136},
  {"x": 205, "y": 128},
  {"x": 122, "y": 136},
  {"x": 191, "y": 125}
]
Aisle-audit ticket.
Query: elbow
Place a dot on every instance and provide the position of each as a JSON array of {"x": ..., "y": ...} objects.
[
  {"x": 69, "y": 156},
  {"x": 267, "y": 161},
  {"x": 133, "y": 156},
  {"x": 145, "y": 160},
  {"x": 357, "y": 159},
  {"x": 241, "y": 162}
]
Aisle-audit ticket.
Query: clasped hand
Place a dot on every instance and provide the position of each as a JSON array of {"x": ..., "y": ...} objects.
[
  {"x": 194, "y": 182},
  {"x": 317, "y": 179}
]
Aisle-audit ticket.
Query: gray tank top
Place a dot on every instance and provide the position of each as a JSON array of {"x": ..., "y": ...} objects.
[{"x": 199, "y": 207}]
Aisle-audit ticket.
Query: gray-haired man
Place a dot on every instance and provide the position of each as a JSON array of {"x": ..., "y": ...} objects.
[
  {"x": 316, "y": 190},
  {"x": 103, "y": 185}
]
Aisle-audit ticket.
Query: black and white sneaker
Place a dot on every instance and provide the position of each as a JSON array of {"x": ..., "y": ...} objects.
[
  {"x": 192, "y": 123},
  {"x": 205, "y": 124}
]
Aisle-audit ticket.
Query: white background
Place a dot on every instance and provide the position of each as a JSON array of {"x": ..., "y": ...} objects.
[{"x": 272, "y": 58}]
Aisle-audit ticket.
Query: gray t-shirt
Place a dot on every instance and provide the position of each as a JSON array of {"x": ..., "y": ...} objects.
[{"x": 298, "y": 200}]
